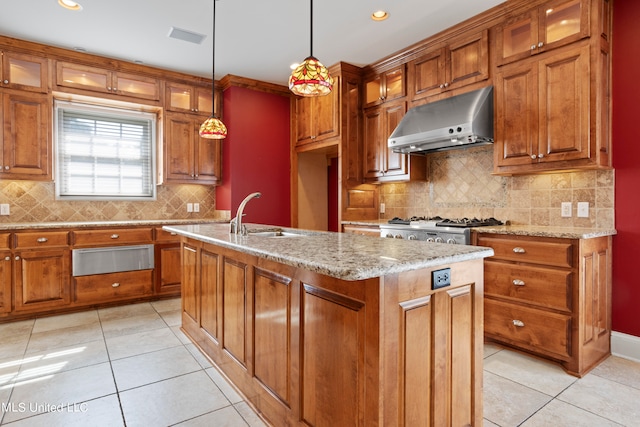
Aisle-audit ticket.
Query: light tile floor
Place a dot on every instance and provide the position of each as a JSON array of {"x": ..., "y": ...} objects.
[{"x": 132, "y": 366}]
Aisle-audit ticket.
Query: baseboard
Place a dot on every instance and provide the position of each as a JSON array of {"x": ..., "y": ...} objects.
[{"x": 626, "y": 346}]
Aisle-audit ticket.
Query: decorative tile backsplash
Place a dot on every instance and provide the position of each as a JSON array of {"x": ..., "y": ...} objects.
[
  {"x": 32, "y": 201},
  {"x": 460, "y": 184}
]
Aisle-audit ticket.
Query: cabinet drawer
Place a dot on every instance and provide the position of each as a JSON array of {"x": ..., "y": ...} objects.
[
  {"x": 4, "y": 240},
  {"x": 44, "y": 239},
  {"x": 529, "y": 328},
  {"x": 113, "y": 286},
  {"x": 112, "y": 236},
  {"x": 558, "y": 253},
  {"x": 545, "y": 287},
  {"x": 166, "y": 236}
]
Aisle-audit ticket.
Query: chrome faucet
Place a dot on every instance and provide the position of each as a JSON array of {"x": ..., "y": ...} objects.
[{"x": 236, "y": 226}]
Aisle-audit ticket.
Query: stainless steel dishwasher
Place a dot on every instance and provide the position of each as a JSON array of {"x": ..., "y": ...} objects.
[{"x": 111, "y": 259}]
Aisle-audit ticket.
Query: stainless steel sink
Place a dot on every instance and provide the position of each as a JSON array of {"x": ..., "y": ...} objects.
[{"x": 274, "y": 233}]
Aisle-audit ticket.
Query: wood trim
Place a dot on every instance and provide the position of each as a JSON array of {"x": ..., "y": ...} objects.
[{"x": 231, "y": 80}]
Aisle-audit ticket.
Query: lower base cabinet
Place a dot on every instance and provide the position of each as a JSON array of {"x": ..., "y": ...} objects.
[
  {"x": 550, "y": 297},
  {"x": 42, "y": 279},
  {"x": 113, "y": 286},
  {"x": 312, "y": 350}
]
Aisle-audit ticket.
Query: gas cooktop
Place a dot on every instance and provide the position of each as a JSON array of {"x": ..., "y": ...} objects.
[{"x": 418, "y": 221}]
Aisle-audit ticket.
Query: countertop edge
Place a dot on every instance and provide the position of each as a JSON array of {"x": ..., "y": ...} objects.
[{"x": 17, "y": 226}]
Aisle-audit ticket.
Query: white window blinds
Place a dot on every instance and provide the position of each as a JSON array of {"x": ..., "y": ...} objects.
[{"x": 104, "y": 153}]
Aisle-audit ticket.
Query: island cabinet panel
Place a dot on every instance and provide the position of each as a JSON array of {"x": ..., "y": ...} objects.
[
  {"x": 234, "y": 309},
  {"x": 272, "y": 325},
  {"x": 312, "y": 350}
]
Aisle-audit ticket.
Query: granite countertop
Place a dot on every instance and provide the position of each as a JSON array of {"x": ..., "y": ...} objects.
[
  {"x": 340, "y": 255},
  {"x": 86, "y": 224},
  {"x": 522, "y": 230}
]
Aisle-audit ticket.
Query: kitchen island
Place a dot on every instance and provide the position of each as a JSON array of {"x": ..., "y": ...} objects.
[{"x": 334, "y": 329}]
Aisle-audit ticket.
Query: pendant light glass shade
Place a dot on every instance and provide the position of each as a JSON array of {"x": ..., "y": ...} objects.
[
  {"x": 213, "y": 128},
  {"x": 311, "y": 78}
]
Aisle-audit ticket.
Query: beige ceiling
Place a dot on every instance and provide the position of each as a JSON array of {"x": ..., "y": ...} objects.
[{"x": 258, "y": 39}]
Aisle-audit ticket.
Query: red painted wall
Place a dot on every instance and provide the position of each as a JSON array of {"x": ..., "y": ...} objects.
[
  {"x": 626, "y": 161},
  {"x": 256, "y": 156}
]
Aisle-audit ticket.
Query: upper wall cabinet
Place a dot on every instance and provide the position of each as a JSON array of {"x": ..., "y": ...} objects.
[
  {"x": 190, "y": 99},
  {"x": 317, "y": 117},
  {"x": 24, "y": 72},
  {"x": 384, "y": 87},
  {"x": 549, "y": 26},
  {"x": 462, "y": 61},
  {"x": 94, "y": 79}
]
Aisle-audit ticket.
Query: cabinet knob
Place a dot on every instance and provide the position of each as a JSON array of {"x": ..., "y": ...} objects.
[
  {"x": 42, "y": 240},
  {"x": 540, "y": 156},
  {"x": 518, "y": 323},
  {"x": 540, "y": 44},
  {"x": 518, "y": 282},
  {"x": 7, "y": 258},
  {"x": 114, "y": 236},
  {"x": 6, "y": 168},
  {"x": 533, "y": 156},
  {"x": 17, "y": 258},
  {"x": 115, "y": 285},
  {"x": 533, "y": 46},
  {"x": 174, "y": 234},
  {"x": 518, "y": 250},
  {"x": 115, "y": 89},
  {"x": 108, "y": 87},
  {"x": 5, "y": 82}
]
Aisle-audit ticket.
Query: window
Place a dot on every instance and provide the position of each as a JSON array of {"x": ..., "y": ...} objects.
[{"x": 104, "y": 153}]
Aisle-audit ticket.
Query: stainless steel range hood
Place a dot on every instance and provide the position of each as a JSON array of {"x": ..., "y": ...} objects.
[{"x": 457, "y": 122}]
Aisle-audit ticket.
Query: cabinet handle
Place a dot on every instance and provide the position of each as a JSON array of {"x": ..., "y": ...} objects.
[
  {"x": 518, "y": 250},
  {"x": 518, "y": 282},
  {"x": 114, "y": 236},
  {"x": 174, "y": 234},
  {"x": 42, "y": 239},
  {"x": 518, "y": 323},
  {"x": 115, "y": 285}
]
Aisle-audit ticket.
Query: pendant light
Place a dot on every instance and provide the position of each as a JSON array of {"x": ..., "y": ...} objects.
[
  {"x": 213, "y": 128},
  {"x": 311, "y": 78}
]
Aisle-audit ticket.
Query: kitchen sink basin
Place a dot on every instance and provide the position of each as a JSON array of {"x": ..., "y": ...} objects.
[{"x": 275, "y": 233}]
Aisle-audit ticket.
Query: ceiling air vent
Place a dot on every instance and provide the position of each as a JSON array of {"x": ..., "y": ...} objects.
[{"x": 187, "y": 36}]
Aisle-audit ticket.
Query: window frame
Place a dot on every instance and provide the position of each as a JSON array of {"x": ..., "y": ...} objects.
[{"x": 124, "y": 110}]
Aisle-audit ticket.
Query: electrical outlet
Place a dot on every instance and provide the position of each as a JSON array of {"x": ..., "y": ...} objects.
[
  {"x": 4, "y": 209},
  {"x": 583, "y": 209},
  {"x": 196, "y": 207},
  {"x": 440, "y": 278},
  {"x": 382, "y": 207},
  {"x": 189, "y": 207},
  {"x": 565, "y": 209}
]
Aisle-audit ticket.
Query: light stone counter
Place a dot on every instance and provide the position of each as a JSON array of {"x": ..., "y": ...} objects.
[
  {"x": 340, "y": 255},
  {"x": 87, "y": 224},
  {"x": 540, "y": 231}
]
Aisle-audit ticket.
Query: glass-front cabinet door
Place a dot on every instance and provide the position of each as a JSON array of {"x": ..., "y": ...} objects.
[
  {"x": 553, "y": 24},
  {"x": 24, "y": 72}
]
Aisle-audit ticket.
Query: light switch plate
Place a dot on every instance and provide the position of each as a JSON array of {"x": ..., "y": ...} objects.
[
  {"x": 196, "y": 207},
  {"x": 583, "y": 209},
  {"x": 189, "y": 207},
  {"x": 4, "y": 209},
  {"x": 565, "y": 209},
  {"x": 382, "y": 207}
]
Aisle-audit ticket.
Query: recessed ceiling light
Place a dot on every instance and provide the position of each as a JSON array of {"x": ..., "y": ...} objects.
[
  {"x": 379, "y": 15},
  {"x": 69, "y": 4}
]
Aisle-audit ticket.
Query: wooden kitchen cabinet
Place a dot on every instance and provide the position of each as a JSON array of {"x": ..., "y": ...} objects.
[
  {"x": 101, "y": 288},
  {"x": 167, "y": 262},
  {"x": 112, "y": 237},
  {"x": 385, "y": 86},
  {"x": 188, "y": 158},
  {"x": 42, "y": 279},
  {"x": 24, "y": 72},
  {"x": 317, "y": 118},
  {"x": 183, "y": 98},
  {"x": 550, "y": 297},
  {"x": 554, "y": 24},
  {"x": 77, "y": 76},
  {"x": 381, "y": 164},
  {"x": 25, "y": 141},
  {"x": 5, "y": 273},
  {"x": 458, "y": 63}
]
